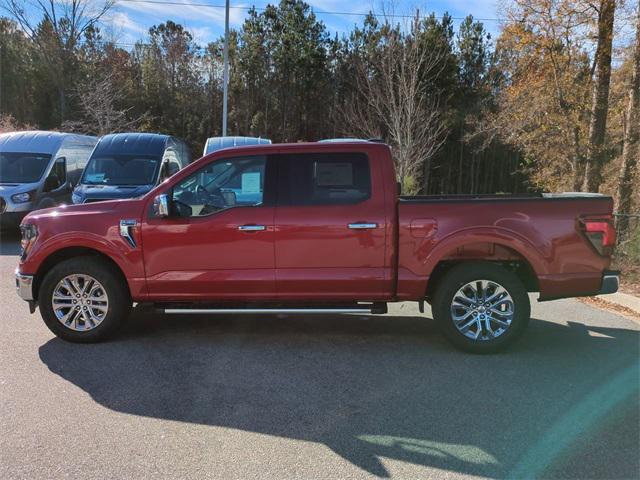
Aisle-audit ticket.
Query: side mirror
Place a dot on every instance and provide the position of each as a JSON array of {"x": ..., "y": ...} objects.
[{"x": 161, "y": 206}]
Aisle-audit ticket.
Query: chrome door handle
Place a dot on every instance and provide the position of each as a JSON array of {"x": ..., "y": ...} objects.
[
  {"x": 362, "y": 226},
  {"x": 251, "y": 228}
]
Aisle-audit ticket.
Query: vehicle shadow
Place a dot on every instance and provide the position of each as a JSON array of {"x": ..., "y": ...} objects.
[{"x": 374, "y": 387}]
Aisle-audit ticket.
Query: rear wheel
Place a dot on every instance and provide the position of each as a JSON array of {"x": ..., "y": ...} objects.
[
  {"x": 481, "y": 307},
  {"x": 83, "y": 300}
]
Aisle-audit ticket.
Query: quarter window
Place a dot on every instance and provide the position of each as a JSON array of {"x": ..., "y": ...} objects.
[{"x": 323, "y": 179}]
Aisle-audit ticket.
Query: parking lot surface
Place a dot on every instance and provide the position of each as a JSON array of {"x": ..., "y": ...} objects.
[{"x": 334, "y": 397}]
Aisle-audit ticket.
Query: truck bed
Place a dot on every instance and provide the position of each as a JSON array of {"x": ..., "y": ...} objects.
[{"x": 541, "y": 232}]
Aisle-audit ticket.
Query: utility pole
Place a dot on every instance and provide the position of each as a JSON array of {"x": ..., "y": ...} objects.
[{"x": 225, "y": 87}]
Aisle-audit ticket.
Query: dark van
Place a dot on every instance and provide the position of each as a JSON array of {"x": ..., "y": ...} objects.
[{"x": 128, "y": 165}]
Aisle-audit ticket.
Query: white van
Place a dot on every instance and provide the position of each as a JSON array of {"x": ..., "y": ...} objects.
[{"x": 39, "y": 170}]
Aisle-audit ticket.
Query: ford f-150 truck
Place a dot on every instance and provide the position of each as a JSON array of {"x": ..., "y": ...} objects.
[{"x": 313, "y": 228}]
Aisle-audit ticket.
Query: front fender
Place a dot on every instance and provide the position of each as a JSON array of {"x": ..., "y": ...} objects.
[{"x": 129, "y": 260}]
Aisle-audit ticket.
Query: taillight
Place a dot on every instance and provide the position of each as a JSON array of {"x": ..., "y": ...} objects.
[{"x": 601, "y": 233}]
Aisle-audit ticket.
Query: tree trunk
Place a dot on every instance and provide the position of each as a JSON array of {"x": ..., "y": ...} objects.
[
  {"x": 630, "y": 150},
  {"x": 600, "y": 98}
]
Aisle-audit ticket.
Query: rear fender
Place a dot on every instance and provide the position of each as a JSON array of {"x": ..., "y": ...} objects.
[{"x": 448, "y": 245}]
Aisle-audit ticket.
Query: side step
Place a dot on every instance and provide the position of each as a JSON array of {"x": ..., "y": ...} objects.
[{"x": 366, "y": 308}]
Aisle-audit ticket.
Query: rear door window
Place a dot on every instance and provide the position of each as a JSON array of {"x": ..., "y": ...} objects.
[{"x": 323, "y": 179}]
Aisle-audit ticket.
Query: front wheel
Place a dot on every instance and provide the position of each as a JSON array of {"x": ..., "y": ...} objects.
[
  {"x": 83, "y": 300},
  {"x": 481, "y": 307}
]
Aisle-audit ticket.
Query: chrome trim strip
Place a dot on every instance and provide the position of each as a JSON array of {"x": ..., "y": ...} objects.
[
  {"x": 265, "y": 310},
  {"x": 362, "y": 226},
  {"x": 125, "y": 231},
  {"x": 24, "y": 286}
]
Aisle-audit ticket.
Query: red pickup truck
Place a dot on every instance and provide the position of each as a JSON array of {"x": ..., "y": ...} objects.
[{"x": 313, "y": 228}]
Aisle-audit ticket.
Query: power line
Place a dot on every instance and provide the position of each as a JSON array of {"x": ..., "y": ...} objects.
[
  {"x": 122, "y": 44},
  {"x": 317, "y": 12}
]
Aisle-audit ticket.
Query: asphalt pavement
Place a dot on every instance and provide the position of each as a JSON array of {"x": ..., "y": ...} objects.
[{"x": 336, "y": 397}]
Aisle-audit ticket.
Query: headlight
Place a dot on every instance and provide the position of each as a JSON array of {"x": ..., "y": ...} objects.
[
  {"x": 76, "y": 198},
  {"x": 29, "y": 234},
  {"x": 21, "y": 197}
]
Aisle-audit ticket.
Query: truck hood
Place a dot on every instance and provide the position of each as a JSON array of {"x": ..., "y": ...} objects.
[
  {"x": 85, "y": 193},
  {"x": 72, "y": 217}
]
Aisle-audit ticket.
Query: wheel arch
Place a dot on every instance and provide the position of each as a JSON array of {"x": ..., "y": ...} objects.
[
  {"x": 67, "y": 253},
  {"x": 512, "y": 252}
]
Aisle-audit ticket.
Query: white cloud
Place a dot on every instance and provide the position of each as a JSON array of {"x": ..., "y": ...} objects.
[
  {"x": 120, "y": 27},
  {"x": 181, "y": 12},
  {"x": 121, "y": 19},
  {"x": 201, "y": 35}
]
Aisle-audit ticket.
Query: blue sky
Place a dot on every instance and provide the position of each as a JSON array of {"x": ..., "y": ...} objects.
[{"x": 130, "y": 19}]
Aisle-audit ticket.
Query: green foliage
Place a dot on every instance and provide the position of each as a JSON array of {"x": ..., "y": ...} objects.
[
  {"x": 289, "y": 81},
  {"x": 409, "y": 186},
  {"x": 631, "y": 247},
  {"x": 17, "y": 73}
]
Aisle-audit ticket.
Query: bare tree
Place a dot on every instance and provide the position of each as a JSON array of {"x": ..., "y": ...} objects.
[
  {"x": 600, "y": 101},
  {"x": 9, "y": 124},
  {"x": 631, "y": 146},
  {"x": 56, "y": 28},
  {"x": 394, "y": 102},
  {"x": 98, "y": 99}
]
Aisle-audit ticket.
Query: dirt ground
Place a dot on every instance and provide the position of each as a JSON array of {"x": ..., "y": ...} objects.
[{"x": 629, "y": 274}]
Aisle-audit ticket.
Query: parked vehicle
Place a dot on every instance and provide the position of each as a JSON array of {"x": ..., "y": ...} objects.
[
  {"x": 214, "y": 144},
  {"x": 38, "y": 170},
  {"x": 128, "y": 165},
  {"x": 319, "y": 228}
]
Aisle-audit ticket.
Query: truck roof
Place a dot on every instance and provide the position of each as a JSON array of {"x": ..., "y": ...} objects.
[
  {"x": 133, "y": 143},
  {"x": 37, "y": 141},
  {"x": 333, "y": 146},
  {"x": 218, "y": 143}
]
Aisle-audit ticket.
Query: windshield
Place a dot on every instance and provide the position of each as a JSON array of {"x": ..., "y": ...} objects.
[
  {"x": 22, "y": 167},
  {"x": 122, "y": 170}
]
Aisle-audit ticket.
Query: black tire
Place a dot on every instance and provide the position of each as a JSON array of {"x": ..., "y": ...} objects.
[
  {"x": 465, "y": 273},
  {"x": 115, "y": 288}
]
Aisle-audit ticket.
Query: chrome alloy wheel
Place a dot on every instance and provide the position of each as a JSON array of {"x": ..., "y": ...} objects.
[
  {"x": 80, "y": 302},
  {"x": 482, "y": 310}
]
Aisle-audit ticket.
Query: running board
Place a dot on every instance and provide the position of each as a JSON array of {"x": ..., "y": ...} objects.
[{"x": 375, "y": 308}]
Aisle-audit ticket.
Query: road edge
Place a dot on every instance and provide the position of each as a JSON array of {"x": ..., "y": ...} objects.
[{"x": 621, "y": 303}]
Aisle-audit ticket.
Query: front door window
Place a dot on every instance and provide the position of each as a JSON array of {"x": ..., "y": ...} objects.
[{"x": 234, "y": 182}]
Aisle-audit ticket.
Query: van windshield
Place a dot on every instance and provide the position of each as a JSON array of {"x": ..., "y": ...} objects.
[
  {"x": 122, "y": 170},
  {"x": 22, "y": 167}
]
